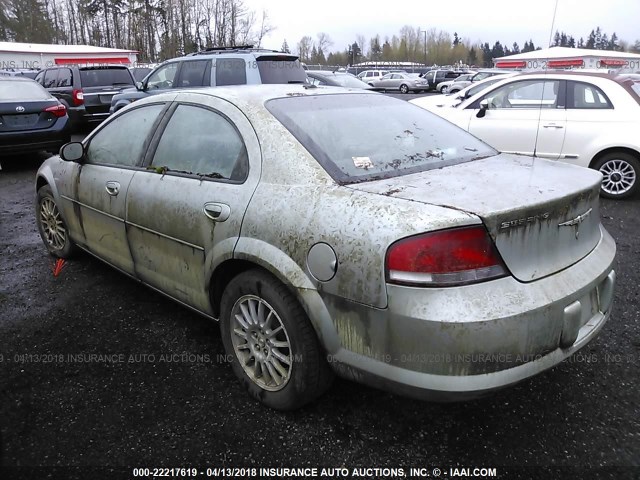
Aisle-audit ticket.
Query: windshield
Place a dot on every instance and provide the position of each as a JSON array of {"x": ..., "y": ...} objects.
[
  {"x": 100, "y": 77},
  {"x": 337, "y": 130},
  {"x": 20, "y": 90}
]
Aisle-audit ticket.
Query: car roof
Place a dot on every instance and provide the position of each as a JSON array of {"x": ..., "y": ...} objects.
[
  {"x": 15, "y": 78},
  {"x": 259, "y": 94}
]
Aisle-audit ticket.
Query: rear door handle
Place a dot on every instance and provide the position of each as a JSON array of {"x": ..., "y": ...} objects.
[
  {"x": 112, "y": 188},
  {"x": 552, "y": 125},
  {"x": 218, "y": 212}
]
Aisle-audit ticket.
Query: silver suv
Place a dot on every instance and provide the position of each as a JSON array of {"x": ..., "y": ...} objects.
[{"x": 241, "y": 65}]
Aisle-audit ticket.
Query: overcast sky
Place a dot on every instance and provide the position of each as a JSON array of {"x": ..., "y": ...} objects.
[{"x": 478, "y": 20}]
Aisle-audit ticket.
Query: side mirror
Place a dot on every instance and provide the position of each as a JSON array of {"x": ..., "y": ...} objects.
[
  {"x": 140, "y": 86},
  {"x": 484, "y": 106},
  {"x": 72, "y": 151}
]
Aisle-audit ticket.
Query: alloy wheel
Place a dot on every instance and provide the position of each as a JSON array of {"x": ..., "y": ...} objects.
[
  {"x": 52, "y": 224},
  {"x": 619, "y": 176}
]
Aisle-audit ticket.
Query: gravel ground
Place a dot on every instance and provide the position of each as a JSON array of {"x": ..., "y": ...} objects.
[{"x": 155, "y": 409}]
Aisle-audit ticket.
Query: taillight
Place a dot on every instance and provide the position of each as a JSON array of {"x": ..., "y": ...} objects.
[
  {"x": 78, "y": 97},
  {"x": 448, "y": 257},
  {"x": 57, "y": 110}
]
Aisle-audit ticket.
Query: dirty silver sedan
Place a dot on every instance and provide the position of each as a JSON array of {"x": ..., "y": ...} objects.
[{"x": 406, "y": 255}]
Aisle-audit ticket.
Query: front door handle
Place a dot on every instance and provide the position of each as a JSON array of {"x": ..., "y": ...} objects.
[
  {"x": 218, "y": 212},
  {"x": 552, "y": 125},
  {"x": 112, "y": 188}
]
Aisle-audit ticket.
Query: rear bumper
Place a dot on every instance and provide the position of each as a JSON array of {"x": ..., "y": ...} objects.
[
  {"x": 28, "y": 141},
  {"x": 459, "y": 343}
]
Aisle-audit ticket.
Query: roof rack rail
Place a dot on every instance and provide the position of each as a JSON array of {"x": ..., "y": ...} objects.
[{"x": 235, "y": 48}]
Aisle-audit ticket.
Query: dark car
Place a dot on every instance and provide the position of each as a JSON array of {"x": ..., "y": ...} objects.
[
  {"x": 30, "y": 118},
  {"x": 86, "y": 91},
  {"x": 217, "y": 66},
  {"x": 434, "y": 77},
  {"x": 335, "y": 79}
]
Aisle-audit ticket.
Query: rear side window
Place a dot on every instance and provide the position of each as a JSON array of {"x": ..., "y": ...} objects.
[
  {"x": 100, "y": 77},
  {"x": 50, "y": 78},
  {"x": 276, "y": 69},
  {"x": 199, "y": 141},
  {"x": 22, "y": 90},
  {"x": 65, "y": 78},
  {"x": 586, "y": 96},
  {"x": 195, "y": 73},
  {"x": 337, "y": 130},
  {"x": 231, "y": 71},
  {"x": 40, "y": 78}
]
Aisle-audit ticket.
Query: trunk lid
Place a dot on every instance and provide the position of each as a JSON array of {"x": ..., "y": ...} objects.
[
  {"x": 543, "y": 216},
  {"x": 18, "y": 116}
]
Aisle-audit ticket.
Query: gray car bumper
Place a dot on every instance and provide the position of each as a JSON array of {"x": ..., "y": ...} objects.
[{"x": 457, "y": 343}]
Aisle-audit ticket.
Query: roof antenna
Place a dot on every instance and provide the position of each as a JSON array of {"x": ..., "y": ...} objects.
[{"x": 546, "y": 69}]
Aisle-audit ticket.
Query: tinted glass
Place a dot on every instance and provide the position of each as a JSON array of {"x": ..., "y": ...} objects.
[
  {"x": 338, "y": 131},
  {"x": 349, "y": 81},
  {"x": 40, "y": 77},
  {"x": 163, "y": 77},
  {"x": 121, "y": 142},
  {"x": 274, "y": 69},
  {"x": 202, "y": 142},
  {"x": 192, "y": 74},
  {"x": 50, "y": 78},
  {"x": 65, "y": 78},
  {"x": 231, "y": 71},
  {"x": 22, "y": 91},
  {"x": 139, "y": 73},
  {"x": 584, "y": 95},
  {"x": 99, "y": 77}
]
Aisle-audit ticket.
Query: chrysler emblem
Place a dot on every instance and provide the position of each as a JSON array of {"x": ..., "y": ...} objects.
[
  {"x": 575, "y": 222},
  {"x": 19, "y": 109}
]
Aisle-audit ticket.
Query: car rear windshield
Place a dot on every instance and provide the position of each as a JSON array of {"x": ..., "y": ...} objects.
[
  {"x": 100, "y": 77},
  {"x": 349, "y": 81},
  {"x": 22, "y": 91},
  {"x": 367, "y": 137},
  {"x": 280, "y": 69}
]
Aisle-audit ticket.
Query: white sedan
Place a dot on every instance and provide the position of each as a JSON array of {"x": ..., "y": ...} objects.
[{"x": 591, "y": 120}]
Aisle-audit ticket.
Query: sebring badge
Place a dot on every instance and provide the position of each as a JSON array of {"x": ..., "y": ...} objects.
[
  {"x": 19, "y": 109},
  {"x": 576, "y": 221}
]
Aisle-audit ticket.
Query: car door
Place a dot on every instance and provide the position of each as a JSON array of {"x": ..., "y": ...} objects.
[
  {"x": 113, "y": 155},
  {"x": 524, "y": 117},
  {"x": 185, "y": 212},
  {"x": 589, "y": 114}
]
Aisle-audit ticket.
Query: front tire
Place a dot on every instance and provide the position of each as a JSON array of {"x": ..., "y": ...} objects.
[
  {"x": 621, "y": 174},
  {"x": 51, "y": 226},
  {"x": 276, "y": 354},
  {"x": 443, "y": 90}
]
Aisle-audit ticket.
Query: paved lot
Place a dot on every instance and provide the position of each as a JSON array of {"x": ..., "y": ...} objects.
[{"x": 61, "y": 406}]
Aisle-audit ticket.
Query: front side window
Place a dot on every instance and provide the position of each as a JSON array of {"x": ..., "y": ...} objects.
[
  {"x": 586, "y": 96},
  {"x": 201, "y": 142},
  {"x": 122, "y": 141},
  {"x": 525, "y": 94},
  {"x": 163, "y": 77},
  {"x": 231, "y": 71},
  {"x": 338, "y": 131}
]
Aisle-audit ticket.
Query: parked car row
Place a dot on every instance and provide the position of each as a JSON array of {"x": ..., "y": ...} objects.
[{"x": 585, "y": 119}]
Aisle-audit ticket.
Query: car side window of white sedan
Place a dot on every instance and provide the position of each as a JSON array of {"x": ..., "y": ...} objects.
[
  {"x": 199, "y": 141},
  {"x": 122, "y": 141},
  {"x": 525, "y": 94}
]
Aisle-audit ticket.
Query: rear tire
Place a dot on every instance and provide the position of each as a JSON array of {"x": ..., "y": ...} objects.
[
  {"x": 621, "y": 175},
  {"x": 404, "y": 88},
  {"x": 453, "y": 91},
  {"x": 274, "y": 349},
  {"x": 51, "y": 226}
]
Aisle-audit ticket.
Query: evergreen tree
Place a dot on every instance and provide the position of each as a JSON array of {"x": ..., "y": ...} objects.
[
  {"x": 591, "y": 41},
  {"x": 285, "y": 47},
  {"x": 472, "y": 57},
  {"x": 516, "y": 48},
  {"x": 456, "y": 39}
]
